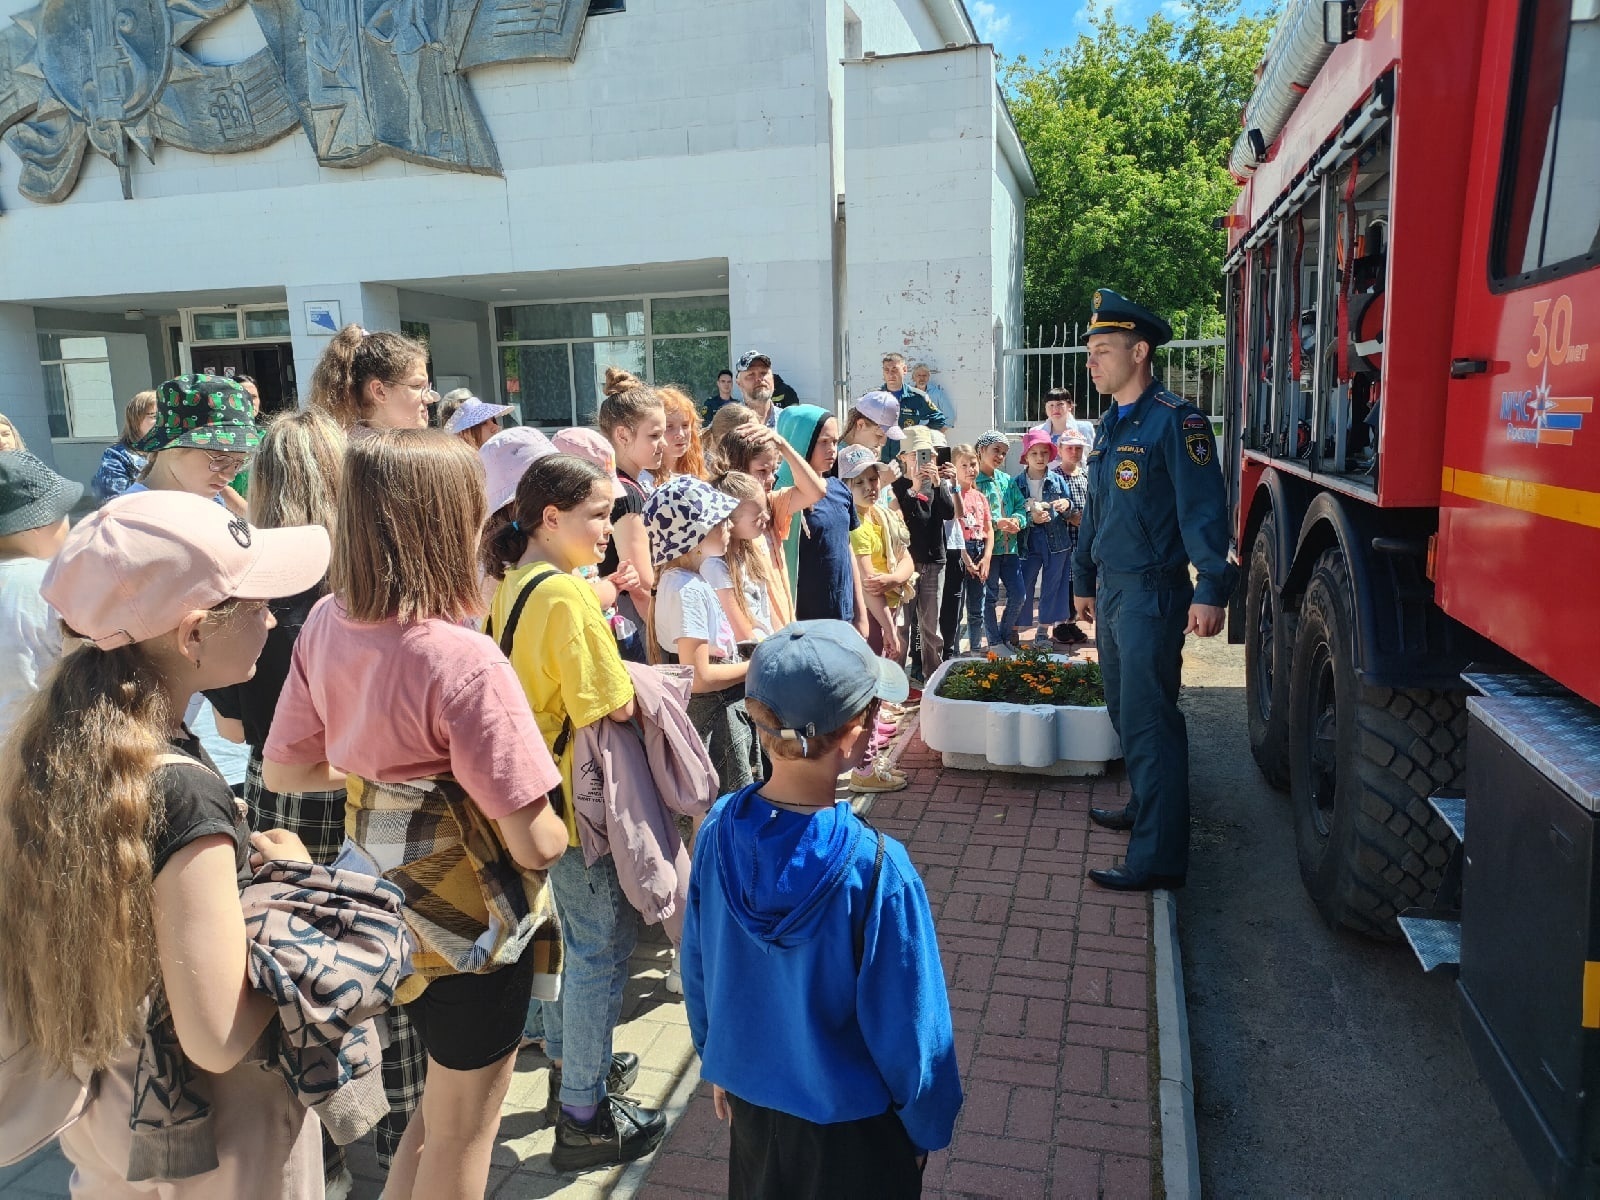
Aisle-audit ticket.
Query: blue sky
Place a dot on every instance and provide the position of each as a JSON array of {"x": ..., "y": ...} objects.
[{"x": 1033, "y": 26}]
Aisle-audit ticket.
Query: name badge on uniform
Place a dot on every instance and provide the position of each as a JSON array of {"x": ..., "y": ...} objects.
[
  {"x": 1130, "y": 449},
  {"x": 1127, "y": 474}
]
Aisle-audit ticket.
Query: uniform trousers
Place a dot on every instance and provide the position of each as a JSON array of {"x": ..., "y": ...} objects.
[{"x": 1139, "y": 632}]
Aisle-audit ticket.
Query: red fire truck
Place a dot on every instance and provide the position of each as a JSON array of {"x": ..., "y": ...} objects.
[{"x": 1413, "y": 357}]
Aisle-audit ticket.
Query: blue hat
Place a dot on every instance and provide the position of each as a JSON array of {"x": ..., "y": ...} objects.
[
  {"x": 1112, "y": 312},
  {"x": 816, "y": 675},
  {"x": 749, "y": 357}
]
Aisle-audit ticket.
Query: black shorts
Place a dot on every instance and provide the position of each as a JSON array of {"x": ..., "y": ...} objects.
[
  {"x": 776, "y": 1156},
  {"x": 473, "y": 1021}
]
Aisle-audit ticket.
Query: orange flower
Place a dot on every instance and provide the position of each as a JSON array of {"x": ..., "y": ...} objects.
[
  {"x": 993, "y": 657},
  {"x": 987, "y": 682},
  {"x": 1047, "y": 691}
]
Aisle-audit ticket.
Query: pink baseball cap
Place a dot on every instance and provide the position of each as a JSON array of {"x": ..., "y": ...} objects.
[
  {"x": 132, "y": 570},
  {"x": 1038, "y": 437},
  {"x": 591, "y": 445},
  {"x": 506, "y": 458}
]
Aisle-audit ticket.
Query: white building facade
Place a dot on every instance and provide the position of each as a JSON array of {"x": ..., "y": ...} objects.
[{"x": 679, "y": 181}]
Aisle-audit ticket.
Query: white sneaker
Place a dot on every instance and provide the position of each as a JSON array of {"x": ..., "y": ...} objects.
[{"x": 674, "y": 982}]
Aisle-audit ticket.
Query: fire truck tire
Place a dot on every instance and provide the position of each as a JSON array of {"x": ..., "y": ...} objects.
[
  {"x": 1268, "y": 648},
  {"x": 1362, "y": 763}
]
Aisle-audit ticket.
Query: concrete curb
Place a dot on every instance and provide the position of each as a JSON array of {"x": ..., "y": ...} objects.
[
  {"x": 635, "y": 1173},
  {"x": 1180, "y": 1147}
]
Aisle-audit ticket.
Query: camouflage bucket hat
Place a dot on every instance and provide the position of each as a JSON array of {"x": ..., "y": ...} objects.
[{"x": 206, "y": 412}]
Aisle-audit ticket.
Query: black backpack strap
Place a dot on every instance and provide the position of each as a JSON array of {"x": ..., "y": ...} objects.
[
  {"x": 872, "y": 896},
  {"x": 506, "y": 639}
]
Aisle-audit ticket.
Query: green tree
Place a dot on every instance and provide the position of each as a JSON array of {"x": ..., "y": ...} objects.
[{"x": 1128, "y": 131}]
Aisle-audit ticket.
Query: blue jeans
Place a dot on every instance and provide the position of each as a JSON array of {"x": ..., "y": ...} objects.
[
  {"x": 1003, "y": 569},
  {"x": 1047, "y": 588},
  {"x": 972, "y": 594},
  {"x": 598, "y": 931}
]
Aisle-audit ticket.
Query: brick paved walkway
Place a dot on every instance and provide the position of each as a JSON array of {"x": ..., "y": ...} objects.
[{"x": 1049, "y": 983}]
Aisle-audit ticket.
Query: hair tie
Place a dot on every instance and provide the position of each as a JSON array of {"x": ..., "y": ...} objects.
[{"x": 515, "y": 528}]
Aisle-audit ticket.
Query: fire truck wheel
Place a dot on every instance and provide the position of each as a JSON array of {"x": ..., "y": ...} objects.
[
  {"x": 1362, "y": 763},
  {"x": 1268, "y": 646}
]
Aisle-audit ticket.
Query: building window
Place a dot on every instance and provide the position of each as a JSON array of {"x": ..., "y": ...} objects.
[
  {"x": 1549, "y": 220},
  {"x": 251, "y": 323},
  {"x": 553, "y": 357},
  {"x": 79, "y": 398}
]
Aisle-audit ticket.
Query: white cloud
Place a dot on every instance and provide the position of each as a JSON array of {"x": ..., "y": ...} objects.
[{"x": 992, "y": 24}]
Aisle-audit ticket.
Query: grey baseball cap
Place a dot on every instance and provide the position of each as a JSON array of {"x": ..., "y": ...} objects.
[
  {"x": 31, "y": 494},
  {"x": 750, "y": 357},
  {"x": 816, "y": 675}
]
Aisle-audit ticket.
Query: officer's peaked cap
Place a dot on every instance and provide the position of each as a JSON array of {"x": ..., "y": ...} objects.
[{"x": 1113, "y": 311}]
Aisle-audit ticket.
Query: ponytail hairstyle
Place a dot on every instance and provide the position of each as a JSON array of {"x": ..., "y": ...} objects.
[
  {"x": 744, "y": 558},
  {"x": 628, "y": 401},
  {"x": 678, "y": 404},
  {"x": 77, "y": 807},
  {"x": 726, "y": 419},
  {"x": 353, "y": 359},
  {"x": 563, "y": 481},
  {"x": 295, "y": 475}
]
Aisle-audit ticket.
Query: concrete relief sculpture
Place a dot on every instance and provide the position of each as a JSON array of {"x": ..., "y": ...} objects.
[{"x": 362, "y": 78}]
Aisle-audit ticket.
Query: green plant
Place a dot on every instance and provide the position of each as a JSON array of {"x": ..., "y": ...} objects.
[{"x": 1031, "y": 677}]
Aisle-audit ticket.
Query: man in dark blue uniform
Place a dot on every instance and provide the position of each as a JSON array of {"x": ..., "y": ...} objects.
[{"x": 1156, "y": 504}]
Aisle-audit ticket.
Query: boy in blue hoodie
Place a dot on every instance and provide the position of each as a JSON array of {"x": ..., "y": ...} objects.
[{"x": 810, "y": 965}]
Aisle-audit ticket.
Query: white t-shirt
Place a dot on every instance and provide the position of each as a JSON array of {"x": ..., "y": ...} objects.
[
  {"x": 1035, "y": 487},
  {"x": 30, "y": 636},
  {"x": 715, "y": 572},
  {"x": 687, "y": 606}
]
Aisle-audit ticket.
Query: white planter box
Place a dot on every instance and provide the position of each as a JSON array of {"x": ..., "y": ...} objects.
[{"x": 1030, "y": 739}]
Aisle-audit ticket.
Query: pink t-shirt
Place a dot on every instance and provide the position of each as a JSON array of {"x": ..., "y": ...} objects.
[
  {"x": 975, "y": 516},
  {"x": 392, "y": 703}
]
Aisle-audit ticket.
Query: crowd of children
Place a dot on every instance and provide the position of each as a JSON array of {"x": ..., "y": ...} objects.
[{"x": 431, "y": 641}]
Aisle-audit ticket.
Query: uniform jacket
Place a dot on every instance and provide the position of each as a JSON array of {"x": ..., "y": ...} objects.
[
  {"x": 1055, "y": 535},
  {"x": 1156, "y": 500},
  {"x": 328, "y": 947}
]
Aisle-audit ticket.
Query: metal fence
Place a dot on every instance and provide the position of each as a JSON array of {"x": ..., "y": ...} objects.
[{"x": 1056, "y": 357}]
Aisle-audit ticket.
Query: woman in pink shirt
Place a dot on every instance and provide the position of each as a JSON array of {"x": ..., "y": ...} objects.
[{"x": 389, "y": 689}]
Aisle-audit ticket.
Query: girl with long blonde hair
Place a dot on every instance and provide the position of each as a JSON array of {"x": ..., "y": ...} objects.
[
  {"x": 121, "y": 851},
  {"x": 753, "y": 597}
]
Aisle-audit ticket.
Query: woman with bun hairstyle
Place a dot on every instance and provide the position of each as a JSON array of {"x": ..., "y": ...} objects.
[
  {"x": 373, "y": 380},
  {"x": 123, "y": 854},
  {"x": 392, "y": 694},
  {"x": 634, "y": 421}
]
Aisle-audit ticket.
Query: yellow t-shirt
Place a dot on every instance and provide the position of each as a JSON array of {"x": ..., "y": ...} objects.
[
  {"x": 867, "y": 538},
  {"x": 566, "y": 657}
]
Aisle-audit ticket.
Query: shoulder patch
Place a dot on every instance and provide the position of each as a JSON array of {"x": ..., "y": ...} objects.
[
  {"x": 1199, "y": 447},
  {"x": 1196, "y": 421}
]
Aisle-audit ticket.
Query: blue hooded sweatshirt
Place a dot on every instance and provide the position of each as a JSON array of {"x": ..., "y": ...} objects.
[{"x": 778, "y": 1013}]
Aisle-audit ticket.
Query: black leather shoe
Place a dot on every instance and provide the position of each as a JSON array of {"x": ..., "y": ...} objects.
[
  {"x": 620, "y": 1132},
  {"x": 1111, "y": 818},
  {"x": 624, "y": 1070},
  {"x": 1120, "y": 879}
]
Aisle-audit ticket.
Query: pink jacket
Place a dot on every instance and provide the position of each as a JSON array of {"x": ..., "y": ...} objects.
[{"x": 629, "y": 779}]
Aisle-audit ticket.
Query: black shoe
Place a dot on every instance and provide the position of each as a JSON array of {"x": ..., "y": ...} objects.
[
  {"x": 624, "y": 1070},
  {"x": 1120, "y": 879},
  {"x": 620, "y": 1132},
  {"x": 1111, "y": 818},
  {"x": 1068, "y": 634}
]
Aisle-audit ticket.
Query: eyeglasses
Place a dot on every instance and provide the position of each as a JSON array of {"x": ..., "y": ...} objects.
[{"x": 223, "y": 460}]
